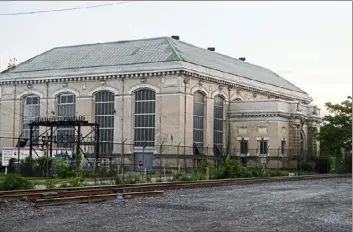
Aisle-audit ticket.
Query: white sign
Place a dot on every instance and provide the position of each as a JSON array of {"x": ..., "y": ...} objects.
[{"x": 12, "y": 152}]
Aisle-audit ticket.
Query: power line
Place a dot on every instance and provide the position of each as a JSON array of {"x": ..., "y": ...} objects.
[{"x": 64, "y": 9}]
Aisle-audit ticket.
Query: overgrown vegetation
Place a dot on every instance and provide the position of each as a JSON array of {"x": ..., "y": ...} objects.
[
  {"x": 45, "y": 166},
  {"x": 335, "y": 138},
  {"x": 229, "y": 168},
  {"x": 16, "y": 182}
]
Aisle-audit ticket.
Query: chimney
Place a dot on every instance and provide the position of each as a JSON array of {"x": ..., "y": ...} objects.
[
  {"x": 242, "y": 58},
  {"x": 176, "y": 37},
  {"x": 211, "y": 49}
]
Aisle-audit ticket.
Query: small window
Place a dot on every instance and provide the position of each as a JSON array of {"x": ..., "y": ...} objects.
[
  {"x": 283, "y": 145},
  {"x": 263, "y": 147},
  {"x": 244, "y": 147}
]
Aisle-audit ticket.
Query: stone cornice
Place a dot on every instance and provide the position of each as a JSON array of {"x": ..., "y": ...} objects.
[
  {"x": 146, "y": 74},
  {"x": 274, "y": 114}
]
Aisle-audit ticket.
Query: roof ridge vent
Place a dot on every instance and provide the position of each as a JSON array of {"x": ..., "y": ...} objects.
[{"x": 176, "y": 37}]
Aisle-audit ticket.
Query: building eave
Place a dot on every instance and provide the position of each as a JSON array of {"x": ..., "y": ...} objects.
[{"x": 151, "y": 69}]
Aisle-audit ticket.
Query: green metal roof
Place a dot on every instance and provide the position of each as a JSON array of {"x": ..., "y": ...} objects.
[{"x": 161, "y": 49}]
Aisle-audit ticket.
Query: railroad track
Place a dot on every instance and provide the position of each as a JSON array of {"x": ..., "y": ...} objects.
[{"x": 60, "y": 196}]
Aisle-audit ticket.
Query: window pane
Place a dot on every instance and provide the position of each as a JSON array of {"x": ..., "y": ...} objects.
[
  {"x": 218, "y": 120},
  {"x": 144, "y": 118},
  {"x": 104, "y": 116},
  {"x": 31, "y": 110}
]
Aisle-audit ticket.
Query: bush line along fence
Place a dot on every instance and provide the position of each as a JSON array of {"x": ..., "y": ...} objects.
[{"x": 164, "y": 159}]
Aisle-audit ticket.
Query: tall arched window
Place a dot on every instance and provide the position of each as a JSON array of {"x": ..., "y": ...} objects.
[
  {"x": 66, "y": 108},
  {"x": 145, "y": 109},
  {"x": 218, "y": 125},
  {"x": 31, "y": 110},
  {"x": 199, "y": 109},
  {"x": 104, "y": 116}
]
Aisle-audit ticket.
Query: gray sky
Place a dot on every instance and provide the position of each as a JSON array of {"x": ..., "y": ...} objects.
[{"x": 308, "y": 43}]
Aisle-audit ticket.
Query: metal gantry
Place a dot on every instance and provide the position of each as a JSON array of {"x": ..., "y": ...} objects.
[{"x": 48, "y": 137}]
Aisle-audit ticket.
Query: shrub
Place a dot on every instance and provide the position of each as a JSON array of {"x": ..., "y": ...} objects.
[
  {"x": 43, "y": 165},
  {"x": 27, "y": 167},
  {"x": 11, "y": 168},
  {"x": 50, "y": 184},
  {"x": 118, "y": 180},
  {"x": 261, "y": 171},
  {"x": 306, "y": 167},
  {"x": 76, "y": 182},
  {"x": 277, "y": 173},
  {"x": 186, "y": 177},
  {"x": 16, "y": 182},
  {"x": 149, "y": 179},
  {"x": 248, "y": 173},
  {"x": 64, "y": 185}
]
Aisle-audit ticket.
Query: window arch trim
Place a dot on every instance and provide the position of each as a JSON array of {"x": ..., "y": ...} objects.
[
  {"x": 143, "y": 86},
  {"x": 26, "y": 93},
  {"x": 65, "y": 91},
  {"x": 103, "y": 88}
]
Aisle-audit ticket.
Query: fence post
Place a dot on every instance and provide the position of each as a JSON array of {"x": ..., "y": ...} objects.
[{"x": 178, "y": 165}]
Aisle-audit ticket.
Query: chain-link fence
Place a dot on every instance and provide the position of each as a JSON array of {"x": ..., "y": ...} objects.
[{"x": 159, "y": 160}]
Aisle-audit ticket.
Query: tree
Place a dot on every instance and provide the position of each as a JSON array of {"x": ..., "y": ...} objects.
[
  {"x": 335, "y": 134},
  {"x": 336, "y": 131}
]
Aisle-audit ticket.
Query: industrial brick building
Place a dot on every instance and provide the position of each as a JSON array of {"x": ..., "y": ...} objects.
[{"x": 159, "y": 92}]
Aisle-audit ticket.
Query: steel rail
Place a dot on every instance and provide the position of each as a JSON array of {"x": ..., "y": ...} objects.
[
  {"x": 106, "y": 189},
  {"x": 94, "y": 198}
]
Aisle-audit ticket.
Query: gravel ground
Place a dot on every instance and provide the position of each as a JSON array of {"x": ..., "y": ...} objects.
[{"x": 316, "y": 205}]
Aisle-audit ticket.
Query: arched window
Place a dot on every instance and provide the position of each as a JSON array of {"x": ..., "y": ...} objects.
[
  {"x": 199, "y": 109},
  {"x": 31, "y": 110},
  {"x": 104, "y": 116},
  {"x": 218, "y": 125},
  {"x": 145, "y": 109},
  {"x": 66, "y": 108}
]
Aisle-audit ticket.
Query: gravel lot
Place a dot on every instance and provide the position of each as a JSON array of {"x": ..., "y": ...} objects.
[{"x": 317, "y": 205}]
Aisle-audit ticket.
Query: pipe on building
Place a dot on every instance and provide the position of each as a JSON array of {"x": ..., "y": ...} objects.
[
  {"x": 228, "y": 122},
  {"x": 47, "y": 109},
  {"x": 14, "y": 114},
  {"x": 122, "y": 108},
  {"x": 186, "y": 79}
]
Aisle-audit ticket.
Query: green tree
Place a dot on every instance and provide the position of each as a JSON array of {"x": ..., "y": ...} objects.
[{"x": 335, "y": 134}]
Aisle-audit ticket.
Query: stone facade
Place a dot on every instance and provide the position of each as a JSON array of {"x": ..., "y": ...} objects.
[{"x": 253, "y": 111}]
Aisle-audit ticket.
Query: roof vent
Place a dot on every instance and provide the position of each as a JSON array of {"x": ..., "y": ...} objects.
[
  {"x": 242, "y": 58},
  {"x": 211, "y": 49},
  {"x": 176, "y": 37}
]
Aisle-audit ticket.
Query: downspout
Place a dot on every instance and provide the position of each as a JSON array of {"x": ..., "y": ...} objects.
[
  {"x": 47, "y": 109},
  {"x": 14, "y": 114},
  {"x": 186, "y": 80},
  {"x": 122, "y": 108},
  {"x": 228, "y": 123},
  {"x": 185, "y": 85}
]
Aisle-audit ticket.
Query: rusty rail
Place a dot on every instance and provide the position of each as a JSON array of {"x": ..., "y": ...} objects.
[
  {"x": 113, "y": 189},
  {"x": 94, "y": 198}
]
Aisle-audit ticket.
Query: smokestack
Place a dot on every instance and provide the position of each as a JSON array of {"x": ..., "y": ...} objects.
[
  {"x": 242, "y": 58},
  {"x": 176, "y": 37}
]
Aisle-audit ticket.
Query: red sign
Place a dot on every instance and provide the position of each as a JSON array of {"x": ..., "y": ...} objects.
[{"x": 140, "y": 163}]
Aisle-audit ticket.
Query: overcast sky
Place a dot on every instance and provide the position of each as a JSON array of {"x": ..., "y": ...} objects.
[{"x": 308, "y": 43}]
